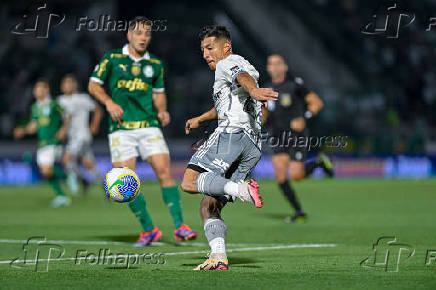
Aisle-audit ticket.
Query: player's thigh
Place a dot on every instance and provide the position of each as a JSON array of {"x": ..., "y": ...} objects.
[
  {"x": 67, "y": 158},
  {"x": 189, "y": 182},
  {"x": 72, "y": 149},
  {"x": 297, "y": 170},
  {"x": 88, "y": 162},
  {"x": 219, "y": 152},
  {"x": 46, "y": 170},
  {"x": 242, "y": 168},
  {"x": 281, "y": 163},
  {"x": 129, "y": 163},
  {"x": 46, "y": 156},
  {"x": 123, "y": 145},
  {"x": 87, "y": 156},
  {"x": 161, "y": 166},
  {"x": 150, "y": 142}
]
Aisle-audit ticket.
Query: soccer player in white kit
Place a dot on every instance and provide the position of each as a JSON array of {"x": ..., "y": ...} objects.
[
  {"x": 80, "y": 132},
  {"x": 220, "y": 166}
]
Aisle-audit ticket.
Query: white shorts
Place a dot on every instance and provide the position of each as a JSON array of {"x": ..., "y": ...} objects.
[
  {"x": 48, "y": 155},
  {"x": 80, "y": 148},
  {"x": 144, "y": 142}
]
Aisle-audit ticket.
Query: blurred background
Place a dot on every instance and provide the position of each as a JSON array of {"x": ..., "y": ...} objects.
[{"x": 379, "y": 89}]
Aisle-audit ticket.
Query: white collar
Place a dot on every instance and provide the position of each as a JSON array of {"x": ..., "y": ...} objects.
[
  {"x": 126, "y": 51},
  {"x": 46, "y": 101}
]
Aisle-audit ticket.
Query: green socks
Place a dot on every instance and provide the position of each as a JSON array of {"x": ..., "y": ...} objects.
[
  {"x": 54, "y": 183},
  {"x": 171, "y": 198},
  {"x": 138, "y": 207},
  {"x": 58, "y": 174}
]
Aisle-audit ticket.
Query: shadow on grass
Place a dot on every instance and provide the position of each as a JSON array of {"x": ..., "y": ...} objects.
[
  {"x": 130, "y": 239},
  {"x": 276, "y": 216},
  {"x": 120, "y": 268},
  {"x": 118, "y": 238},
  {"x": 236, "y": 261}
]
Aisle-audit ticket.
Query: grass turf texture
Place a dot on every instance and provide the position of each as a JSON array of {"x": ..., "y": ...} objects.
[{"x": 351, "y": 214}]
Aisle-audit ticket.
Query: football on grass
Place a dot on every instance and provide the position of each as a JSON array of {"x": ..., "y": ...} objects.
[{"x": 121, "y": 184}]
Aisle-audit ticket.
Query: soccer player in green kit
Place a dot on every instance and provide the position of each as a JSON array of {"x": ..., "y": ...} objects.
[
  {"x": 137, "y": 108},
  {"x": 51, "y": 129}
]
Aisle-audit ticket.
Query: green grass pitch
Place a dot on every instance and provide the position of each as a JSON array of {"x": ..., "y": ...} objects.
[{"x": 266, "y": 253}]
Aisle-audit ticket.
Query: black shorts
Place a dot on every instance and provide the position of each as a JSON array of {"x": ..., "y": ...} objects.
[{"x": 294, "y": 144}]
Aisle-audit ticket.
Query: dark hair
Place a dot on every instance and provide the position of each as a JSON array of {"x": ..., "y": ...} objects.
[
  {"x": 69, "y": 75},
  {"x": 139, "y": 20},
  {"x": 42, "y": 80},
  {"x": 218, "y": 31},
  {"x": 279, "y": 55}
]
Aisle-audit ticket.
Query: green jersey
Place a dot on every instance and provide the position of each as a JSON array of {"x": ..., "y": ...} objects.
[
  {"x": 131, "y": 83},
  {"x": 48, "y": 115}
]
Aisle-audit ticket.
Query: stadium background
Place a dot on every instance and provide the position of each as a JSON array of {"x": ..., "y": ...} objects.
[{"x": 379, "y": 92}]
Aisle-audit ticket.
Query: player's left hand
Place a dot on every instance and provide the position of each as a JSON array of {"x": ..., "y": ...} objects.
[
  {"x": 164, "y": 118},
  {"x": 61, "y": 135}
]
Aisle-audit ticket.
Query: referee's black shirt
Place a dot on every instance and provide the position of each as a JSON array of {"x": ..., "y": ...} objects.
[{"x": 290, "y": 104}]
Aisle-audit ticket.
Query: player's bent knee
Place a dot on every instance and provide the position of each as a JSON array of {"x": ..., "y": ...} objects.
[
  {"x": 188, "y": 186},
  {"x": 281, "y": 175},
  {"x": 163, "y": 174},
  {"x": 189, "y": 182},
  {"x": 297, "y": 176},
  {"x": 46, "y": 173}
]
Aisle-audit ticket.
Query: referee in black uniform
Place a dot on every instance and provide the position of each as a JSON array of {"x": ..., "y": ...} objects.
[{"x": 286, "y": 123}]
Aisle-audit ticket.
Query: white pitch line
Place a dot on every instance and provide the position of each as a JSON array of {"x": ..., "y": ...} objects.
[
  {"x": 184, "y": 244},
  {"x": 10, "y": 241},
  {"x": 278, "y": 247}
]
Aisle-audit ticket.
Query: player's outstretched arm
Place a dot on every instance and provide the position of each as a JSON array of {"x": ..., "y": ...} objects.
[
  {"x": 160, "y": 103},
  {"x": 196, "y": 122},
  {"x": 29, "y": 129},
  {"x": 260, "y": 94},
  {"x": 96, "y": 119},
  {"x": 97, "y": 91}
]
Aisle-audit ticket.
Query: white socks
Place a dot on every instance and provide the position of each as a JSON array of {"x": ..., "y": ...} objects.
[
  {"x": 232, "y": 188},
  {"x": 218, "y": 246}
]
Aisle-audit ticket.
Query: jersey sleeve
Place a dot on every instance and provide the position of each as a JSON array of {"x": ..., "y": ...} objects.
[
  {"x": 102, "y": 69},
  {"x": 229, "y": 69},
  {"x": 301, "y": 89},
  {"x": 158, "y": 81},
  {"x": 34, "y": 113}
]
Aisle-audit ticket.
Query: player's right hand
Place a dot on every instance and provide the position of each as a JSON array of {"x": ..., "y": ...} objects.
[
  {"x": 264, "y": 94},
  {"x": 114, "y": 110},
  {"x": 191, "y": 124},
  {"x": 298, "y": 124},
  {"x": 19, "y": 132}
]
